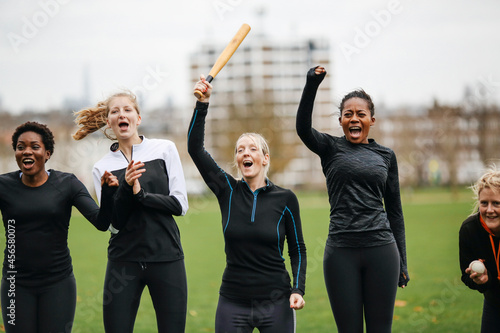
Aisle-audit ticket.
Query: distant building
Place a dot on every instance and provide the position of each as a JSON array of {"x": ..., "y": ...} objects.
[
  {"x": 446, "y": 145},
  {"x": 83, "y": 101},
  {"x": 259, "y": 91}
]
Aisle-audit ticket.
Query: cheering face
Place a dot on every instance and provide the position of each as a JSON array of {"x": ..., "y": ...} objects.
[
  {"x": 356, "y": 120},
  {"x": 250, "y": 159},
  {"x": 489, "y": 208},
  {"x": 123, "y": 118},
  {"x": 31, "y": 154}
]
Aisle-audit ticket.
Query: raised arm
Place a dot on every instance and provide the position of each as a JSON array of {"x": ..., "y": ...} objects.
[
  {"x": 308, "y": 135},
  {"x": 215, "y": 178}
]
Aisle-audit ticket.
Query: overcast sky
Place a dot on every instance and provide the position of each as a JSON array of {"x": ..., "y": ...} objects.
[{"x": 401, "y": 52}]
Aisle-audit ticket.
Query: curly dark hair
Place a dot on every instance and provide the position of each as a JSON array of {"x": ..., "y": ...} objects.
[
  {"x": 32, "y": 126},
  {"x": 359, "y": 94}
]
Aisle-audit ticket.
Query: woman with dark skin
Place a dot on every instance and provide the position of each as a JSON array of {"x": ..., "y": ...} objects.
[
  {"x": 365, "y": 254},
  {"x": 38, "y": 290}
]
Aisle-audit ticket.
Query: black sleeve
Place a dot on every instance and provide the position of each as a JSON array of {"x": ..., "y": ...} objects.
[
  {"x": 100, "y": 218},
  {"x": 296, "y": 246},
  {"x": 392, "y": 201},
  {"x": 468, "y": 251},
  {"x": 125, "y": 202},
  {"x": 215, "y": 178},
  {"x": 311, "y": 137},
  {"x": 166, "y": 203}
]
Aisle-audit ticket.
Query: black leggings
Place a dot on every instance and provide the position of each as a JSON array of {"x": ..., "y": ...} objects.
[
  {"x": 42, "y": 309},
  {"x": 362, "y": 280},
  {"x": 269, "y": 316},
  {"x": 123, "y": 288},
  {"x": 490, "y": 322}
]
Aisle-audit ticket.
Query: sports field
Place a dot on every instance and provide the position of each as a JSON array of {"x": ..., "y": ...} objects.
[{"x": 434, "y": 301}]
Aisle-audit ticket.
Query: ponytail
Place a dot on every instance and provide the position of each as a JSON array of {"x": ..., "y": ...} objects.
[{"x": 92, "y": 119}]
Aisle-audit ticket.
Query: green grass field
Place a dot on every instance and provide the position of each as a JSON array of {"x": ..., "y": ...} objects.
[{"x": 434, "y": 301}]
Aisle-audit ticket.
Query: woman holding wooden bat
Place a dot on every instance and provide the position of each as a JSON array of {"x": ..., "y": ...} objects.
[
  {"x": 145, "y": 247},
  {"x": 257, "y": 217},
  {"x": 365, "y": 254}
]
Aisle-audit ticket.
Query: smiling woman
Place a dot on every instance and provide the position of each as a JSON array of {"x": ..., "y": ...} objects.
[
  {"x": 366, "y": 217},
  {"x": 145, "y": 241},
  {"x": 32, "y": 151},
  {"x": 38, "y": 290},
  {"x": 251, "y": 152},
  {"x": 479, "y": 240},
  {"x": 357, "y": 116},
  {"x": 257, "y": 216}
]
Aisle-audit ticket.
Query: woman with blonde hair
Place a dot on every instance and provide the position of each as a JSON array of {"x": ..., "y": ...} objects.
[
  {"x": 145, "y": 245},
  {"x": 479, "y": 239},
  {"x": 257, "y": 217}
]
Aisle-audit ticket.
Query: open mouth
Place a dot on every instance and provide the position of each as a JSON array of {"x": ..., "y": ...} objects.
[
  {"x": 123, "y": 126},
  {"x": 28, "y": 162},
  {"x": 355, "y": 131},
  {"x": 247, "y": 164}
]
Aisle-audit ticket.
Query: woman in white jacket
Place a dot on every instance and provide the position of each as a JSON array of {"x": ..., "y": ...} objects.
[{"x": 145, "y": 247}]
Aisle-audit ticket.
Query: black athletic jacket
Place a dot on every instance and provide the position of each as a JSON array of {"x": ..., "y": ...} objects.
[
  {"x": 362, "y": 182},
  {"x": 255, "y": 225},
  {"x": 143, "y": 228},
  {"x": 36, "y": 221},
  {"x": 475, "y": 243}
]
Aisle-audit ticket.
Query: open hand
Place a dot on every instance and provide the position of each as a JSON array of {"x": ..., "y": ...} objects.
[{"x": 133, "y": 173}]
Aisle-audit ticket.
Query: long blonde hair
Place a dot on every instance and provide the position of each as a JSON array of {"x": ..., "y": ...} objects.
[
  {"x": 261, "y": 143},
  {"x": 94, "y": 118},
  {"x": 491, "y": 180}
]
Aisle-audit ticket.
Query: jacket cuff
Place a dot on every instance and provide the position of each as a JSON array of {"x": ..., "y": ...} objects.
[
  {"x": 139, "y": 196},
  {"x": 201, "y": 105},
  {"x": 297, "y": 291}
]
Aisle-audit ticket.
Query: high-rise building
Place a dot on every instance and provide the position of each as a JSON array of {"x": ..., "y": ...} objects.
[{"x": 259, "y": 91}]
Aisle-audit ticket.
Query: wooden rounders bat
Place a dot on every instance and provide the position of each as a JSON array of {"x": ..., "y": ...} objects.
[{"x": 226, "y": 55}]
